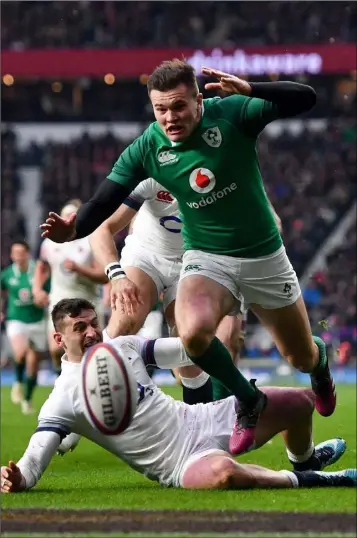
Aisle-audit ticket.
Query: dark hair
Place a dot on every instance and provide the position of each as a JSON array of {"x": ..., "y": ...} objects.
[
  {"x": 170, "y": 74},
  {"x": 21, "y": 242},
  {"x": 69, "y": 307}
]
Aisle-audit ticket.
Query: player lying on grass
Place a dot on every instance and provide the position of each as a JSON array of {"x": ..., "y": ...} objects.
[
  {"x": 203, "y": 151},
  {"x": 169, "y": 441}
]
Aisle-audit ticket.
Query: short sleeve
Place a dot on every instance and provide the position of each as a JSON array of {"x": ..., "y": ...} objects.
[
  {"x": 146, "y": 190},
  {"x": 248, "y": 113}
]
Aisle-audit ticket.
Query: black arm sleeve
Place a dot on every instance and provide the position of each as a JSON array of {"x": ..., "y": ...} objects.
[
  {"x": 108, "y": 197},
  {"x": 291, "y": 98}
]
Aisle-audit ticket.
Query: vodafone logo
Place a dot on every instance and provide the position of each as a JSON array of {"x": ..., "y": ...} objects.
[
  {"x": 164, "y": 196},
  {"x": 202, "y": 180}
]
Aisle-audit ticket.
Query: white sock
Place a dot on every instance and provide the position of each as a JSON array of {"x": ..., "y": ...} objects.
[
  {"x": 292, "y": 477},
  {"x": 301, "y": 457},
  {"x": 195, "y": 382}
]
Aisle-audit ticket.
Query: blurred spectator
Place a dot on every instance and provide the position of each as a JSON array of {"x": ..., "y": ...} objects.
[
  {"x": 337, "y": 285},
  {"x": 47, "y": 24},
  {"x": 12, "y": 224}
]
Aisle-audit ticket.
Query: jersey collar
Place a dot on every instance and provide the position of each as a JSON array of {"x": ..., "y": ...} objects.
[{"x": 30, "y": 268}]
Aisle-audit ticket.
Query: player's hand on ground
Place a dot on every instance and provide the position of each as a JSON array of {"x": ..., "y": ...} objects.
[
  {"x": 226, "y": 82},
  {"x": 12, "y": 479},
  {"x": 59, "y": 229},
  {"x": 40, "y": 298},
  {"x": 125, "y": 296}
]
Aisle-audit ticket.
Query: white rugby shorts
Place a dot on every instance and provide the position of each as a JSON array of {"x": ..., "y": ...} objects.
[
  {"x": 163, "y": 270},
  {"x": 210, "y": 433},
  {"x": 269, "y": 281},
  {"x": 35, "y": 333}
]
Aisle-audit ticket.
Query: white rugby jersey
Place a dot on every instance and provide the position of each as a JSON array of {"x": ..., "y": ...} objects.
[
  {"x": 155, "y": 444},
  {"x": 157, "y": 226},
  {"x": 64, "y": 283}
]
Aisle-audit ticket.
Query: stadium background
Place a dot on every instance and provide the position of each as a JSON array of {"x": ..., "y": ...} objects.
[{"x": 74, "y": 95}]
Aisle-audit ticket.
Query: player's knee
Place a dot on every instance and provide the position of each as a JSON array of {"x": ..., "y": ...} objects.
[
  {"x": 196, "y": 337},
  {"x": 224, "y": 471}
]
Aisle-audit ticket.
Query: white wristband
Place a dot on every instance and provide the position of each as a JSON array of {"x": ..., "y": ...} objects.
[{"x": 114, "y": 271}]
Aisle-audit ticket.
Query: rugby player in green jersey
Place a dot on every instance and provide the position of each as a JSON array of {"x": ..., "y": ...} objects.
[
  {"x": 25, "y": 323},
  {"x": 204, "y": 153}
]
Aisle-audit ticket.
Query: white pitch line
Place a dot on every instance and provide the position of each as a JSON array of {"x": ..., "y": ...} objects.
[{"x": 180, "y": 535}]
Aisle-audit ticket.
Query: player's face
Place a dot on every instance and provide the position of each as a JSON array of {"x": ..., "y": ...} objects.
[
  {"x": 79, "y": 333},
  {"x": 19, "y": 255},
  {"x": 177, "y": 111}
]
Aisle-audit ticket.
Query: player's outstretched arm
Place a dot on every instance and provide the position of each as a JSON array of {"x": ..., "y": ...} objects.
[
  {"x": 26, "y": 473},
  {"x": 268, "y": 100},
  {"x": 90, "y": 215},
  {"x": 102, "y": 239}
]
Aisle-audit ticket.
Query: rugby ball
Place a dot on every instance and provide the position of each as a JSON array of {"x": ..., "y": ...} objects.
[{"x": 108, "y": 389}]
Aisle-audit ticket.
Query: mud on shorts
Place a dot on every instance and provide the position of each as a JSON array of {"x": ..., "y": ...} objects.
[
  {"x": 164, "y": 271},
  {"x": 35, "y": 333},
  {"x": 269, "y": 281}
]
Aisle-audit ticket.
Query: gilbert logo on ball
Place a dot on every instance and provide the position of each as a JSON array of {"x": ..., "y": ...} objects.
[{"x": 202, "y": 180}]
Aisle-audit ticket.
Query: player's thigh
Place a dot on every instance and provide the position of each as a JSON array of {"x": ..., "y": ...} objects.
[
  {"x": 206, "y": 292},
  {"x": 228, "y": 332},
  {"x": 200, "y": 305},
  {"x": 148, "y": 283},
  {"x": 286, "y": 406},
  {"x": 17, "y": 333},
  {"x": 208, "y": 471},
  {"x": 121, "y": 323},
  {"x": 149, "y": 286},
  {"x": 290, "y": 329}
]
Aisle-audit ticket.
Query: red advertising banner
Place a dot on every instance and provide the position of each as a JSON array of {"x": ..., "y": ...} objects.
[{"x": 291, "y": 60}]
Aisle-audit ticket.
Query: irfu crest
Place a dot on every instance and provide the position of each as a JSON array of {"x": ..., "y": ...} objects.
[{"x": 213, "y": 137}]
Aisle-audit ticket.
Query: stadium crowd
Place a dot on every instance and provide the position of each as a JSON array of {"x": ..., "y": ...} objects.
[
  {"x": 126, "y": 100},
  {"x": 57, "y": 24},
  {"x": 12, "y": 222}
]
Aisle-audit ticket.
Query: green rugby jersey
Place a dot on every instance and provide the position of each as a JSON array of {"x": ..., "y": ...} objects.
[
  {"x": 20, "y": 306},
  {"x": 215, "y": 176}
]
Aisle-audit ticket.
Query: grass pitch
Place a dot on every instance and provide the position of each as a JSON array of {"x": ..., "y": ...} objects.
[{"x": 92, "y": 478}]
